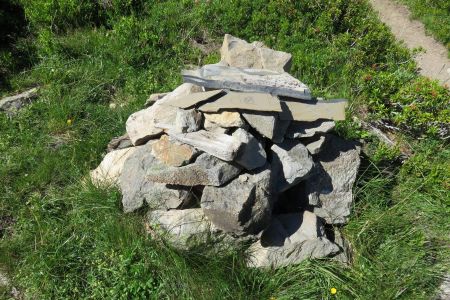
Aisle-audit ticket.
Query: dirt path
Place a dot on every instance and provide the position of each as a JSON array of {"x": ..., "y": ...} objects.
[{"x": 434, "y": 63}]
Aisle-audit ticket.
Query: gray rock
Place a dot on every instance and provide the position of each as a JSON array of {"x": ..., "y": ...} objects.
[
  {"x": 251, "y": 154},
  {"x": 298, "y": 129},
  {"x": 313, "y": 110},
  {"x": 120, "y": 142},
  {"x": 109, "y": 170},
  {"x": 345, "y": 254},
  {"x": 206, "y": 170},
  {"x": 290, "y": 239},
  {"x": 136, "y": 189},
  {"x": 330, "y": 187},
  {"x": 187, "y": 101},
  {"x": 248, "y": 80},
  {"x": 268, "y": 124},
  {"x": 141, "y": 125},
  {"x": 154, "y": 97},
  {"x": 238, "y": 53},
  {"x": 243, "y": 101},
  {"x": 315, "y": 146},
  {"x": 219, "y": 145},
  {"x": 13, "y": 103},
  {"x": 188, "y": 121},
  {"x": 182, "y": 228},
  {"x": 242, "y": 206},
  {"x": 291, "y": 163},
  {"x": 444, "y": 288}
]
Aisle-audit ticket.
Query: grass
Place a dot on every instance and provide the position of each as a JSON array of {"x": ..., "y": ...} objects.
[
  {"x": 435, "y": 15},
  {"x": 71, "y": 240}
]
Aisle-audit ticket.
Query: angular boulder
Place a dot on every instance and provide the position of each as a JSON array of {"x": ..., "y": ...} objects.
[
  {"x": 141, "y": 125},
  {"x": 136, "y": 190},
  {"x": 238, "y": 53},
  {"x": 173, "y": 153},
  {"x": 188, "y": 121},
  {"x": 290, "y": 239},
  {"x": 13, "y": 103},
  {"x": 206, "y": 170},
  {"x": 109, "y": 170},
  {"x": 120, "y": 142},
  {"x": 251, "y": 155},
  {"x": 268, "y": 124},
  {"x": 314, "y": 147},
  {"x": 291, "y": 163},
  {"x": 242, "y": 206},
  {"x": 330, "y": 187}
]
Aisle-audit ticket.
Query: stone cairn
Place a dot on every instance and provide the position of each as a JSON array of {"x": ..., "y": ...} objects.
[{"x": 240, "y": 151}]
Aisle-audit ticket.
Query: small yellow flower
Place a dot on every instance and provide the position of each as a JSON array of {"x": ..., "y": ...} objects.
[
  {"x": 333, "y": 291},
  {"x": 69, "y": 122},
  {"x": 272, "y": 298}
]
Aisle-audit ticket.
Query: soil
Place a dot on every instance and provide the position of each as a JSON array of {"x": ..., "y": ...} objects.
[{"x": 434, "y": 62}]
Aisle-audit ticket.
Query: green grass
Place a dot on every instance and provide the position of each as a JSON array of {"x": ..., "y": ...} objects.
[
  {"x": 435, "y": 15},
  {"x": 72, "y": 241}
]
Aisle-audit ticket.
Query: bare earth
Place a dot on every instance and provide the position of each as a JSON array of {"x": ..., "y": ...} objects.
[{"x": 434, "y": 63}]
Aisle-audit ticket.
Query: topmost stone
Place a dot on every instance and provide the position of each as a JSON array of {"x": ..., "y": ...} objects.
[{"x": 238, "y": 53}]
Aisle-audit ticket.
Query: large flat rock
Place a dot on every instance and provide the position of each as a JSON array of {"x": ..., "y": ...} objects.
[
  {"x": 330, "y": 186},
  {"x": 312, "y": 111},
  {"x": 291, "y": 163},
  {"x": 242, "y": 206},
  {"x": 290, "y": 239},
  {"x": 206, "y": 170},
  {"x": 238, "y": 53},
  {"x": 243, "y": 101},
  {"x": 217, "y": 144},
  {"x": 248, "y": 80},
  {"x": 142, "y": 125},
  {"x": 187, "y": 101}
]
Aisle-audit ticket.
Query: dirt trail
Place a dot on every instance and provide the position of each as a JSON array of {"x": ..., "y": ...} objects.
[{"x": 434, "y": 63}]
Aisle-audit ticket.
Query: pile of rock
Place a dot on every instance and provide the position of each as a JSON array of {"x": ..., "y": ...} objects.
[{"x": 241, "y": 150}]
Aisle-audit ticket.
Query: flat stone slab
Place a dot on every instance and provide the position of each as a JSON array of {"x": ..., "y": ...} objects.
[
  {"x": 243, "y": 101},
  {"x": 330, "y": 186},
  {"x": 241, "y": 206},
  {"x": 13, "y": 103},
  {"x": 248, "y": 80},
  {"x": 238, "y": 53},
  {"x": 206, "y": 170},
  {"x": 303, "y": 111},
  {"x": 217, "y": 144},
  {"x": 290, "y": 239},
  {"x": 308, "y": 129},
  {"x": 187, "y": 101}
]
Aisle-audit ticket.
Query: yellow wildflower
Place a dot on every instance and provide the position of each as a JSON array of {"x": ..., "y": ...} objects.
[
  {"x": 333, "y": 291},
  {"x": 69, "y": 122}
]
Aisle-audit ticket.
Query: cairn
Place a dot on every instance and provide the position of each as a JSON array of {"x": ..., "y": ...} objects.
[{"x": 240, "y": 151}]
